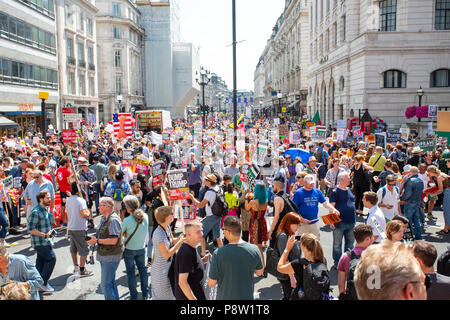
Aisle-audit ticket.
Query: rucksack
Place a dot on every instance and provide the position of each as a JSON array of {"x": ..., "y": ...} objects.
[
  {"x": 443, "y": 263},
  {"x": 118, "y": 193},
  {"x": 316, "y": 281},
  {"x": 384, "y": 192},
  {"x": 220, "y": 206},
  {"x": 351, "y": 289}
]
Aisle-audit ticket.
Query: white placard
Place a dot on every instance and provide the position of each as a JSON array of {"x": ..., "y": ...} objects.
[{"x": 432, "y": 111}]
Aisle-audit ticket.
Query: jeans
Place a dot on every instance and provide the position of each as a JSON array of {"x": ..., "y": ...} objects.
[
  {"x": 3, "y": 223},
  {"x": 108, "y": 280},
  {"x": 131, "y": 257},
  {"x": 150, "y": 242},
  {"x": 412, "y": 212},
  {"x": 342, "y": 230},
  {"x": 45, "y": 262},
  {"x": 97, "y": 195},
  {"x": 14, "y": 216}
]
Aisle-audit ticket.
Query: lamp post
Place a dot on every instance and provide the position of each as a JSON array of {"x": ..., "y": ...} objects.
[
  {"x": 234, "y": 74},
  {"x": 260, "y": 108},
  {"x": 420, "y": 93},
  {"x": 219, "y": 96},
  {"x": 205, "y": 78},
  {"x": 279, "y": 96},
  {"x": 119, "y": 99},
  {"x": 43, "y": 96}
]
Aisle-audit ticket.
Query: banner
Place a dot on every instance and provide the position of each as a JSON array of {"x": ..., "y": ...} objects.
[
  {"x": 178, "y": 184},
  {"x": 425, "y": 144},
  {"x": 157, "y": 173},
  {"x": 393, "y": 136}
]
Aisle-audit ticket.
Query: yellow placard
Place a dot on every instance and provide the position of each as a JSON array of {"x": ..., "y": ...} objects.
[
  {"x": 43, "y": 95},
  {"x": 310, "y": 124},
  {"x": 283, "y": 109}
]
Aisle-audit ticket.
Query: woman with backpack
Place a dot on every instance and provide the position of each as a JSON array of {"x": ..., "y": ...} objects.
[{"x": 310, "y": 272}]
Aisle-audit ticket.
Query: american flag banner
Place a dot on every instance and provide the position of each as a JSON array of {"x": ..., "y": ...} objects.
[{"x": 123, "y": 125}]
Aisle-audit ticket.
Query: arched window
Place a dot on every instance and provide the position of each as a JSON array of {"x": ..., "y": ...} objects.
[
  {"x": 341, "y": 84},
  {"x": 440, "y": 78},
  {"x": 394, "y": 79}
]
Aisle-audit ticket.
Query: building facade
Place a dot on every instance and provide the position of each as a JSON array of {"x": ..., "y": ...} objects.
[
  {"x": 375, "y": 55},
  {"x": 77, "y": 55},
  {"x": 29, "y": 62},
  {"x": 283, "y": 65},
  {"x": 120, "y": 57}
]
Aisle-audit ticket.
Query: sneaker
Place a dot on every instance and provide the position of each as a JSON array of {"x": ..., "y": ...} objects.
[
  {"x": 5, "y": 244},
  {"x": 86, "y": 273},
  {"x": 431, "y": 217},
  {"x": 76, "y": 269},
  {"x": 47, "y": 288}
]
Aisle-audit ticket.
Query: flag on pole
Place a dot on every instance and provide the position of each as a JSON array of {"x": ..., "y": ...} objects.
[
  {"x": 272, "y": 91},
  {"x": 123, "y": 125},
  {"x": 240, "y": 122},
  {"x": 316, "y": 119}
]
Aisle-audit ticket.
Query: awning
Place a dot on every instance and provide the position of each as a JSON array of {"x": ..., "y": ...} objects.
[{"x": 6, "y": 123}]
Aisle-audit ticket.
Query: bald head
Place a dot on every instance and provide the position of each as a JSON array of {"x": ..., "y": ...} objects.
[{"x": 414, "y": 170}]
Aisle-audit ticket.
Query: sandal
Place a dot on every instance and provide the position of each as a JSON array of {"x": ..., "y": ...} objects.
[{"x": 443, "y": 232}]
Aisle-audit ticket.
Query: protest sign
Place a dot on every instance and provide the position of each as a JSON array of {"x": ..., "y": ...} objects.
[
  {"x": 142, "y": 164},
  {"x": 380, "y": 139},
  {"x": 69, "y": 135},
  {"x": 283, "y": 130},
  {"x": 330, "y": 219},
  {"x": 17, "y": 182},
  {"x": 295, "y": 137},
  {"x": 405, "y": 134},
  {"x": 432, "y": 111},
  {"x": 425, "y": 144},
  {"x": 158, "y": 173},
  {"x": 8, "y": 183},
  {"x": 393, "y": 136},
  {"x": 178, "y": 184},
  {"x": 261, "y": 151},
  {"x": 369, "y": 139},
  {"x": 166, "y": 138},
  {"x": 244, "y": 172},
  {"x": 356, "y": 130}
]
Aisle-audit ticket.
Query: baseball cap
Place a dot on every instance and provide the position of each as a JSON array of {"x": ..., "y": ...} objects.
[
  {"x": 212, "y": 178},
  {"x": 309, "y": 179}
]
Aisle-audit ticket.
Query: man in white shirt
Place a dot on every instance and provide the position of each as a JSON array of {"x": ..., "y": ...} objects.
[
  {"x": 128, "y": 174},
  {"x": 298, "y": 165},
  {"x": 423, "y": 174},
  {"x": 376, "y": 217},
  {"x": 389, "y": 199},
  {"x": 217, "y": 164}
]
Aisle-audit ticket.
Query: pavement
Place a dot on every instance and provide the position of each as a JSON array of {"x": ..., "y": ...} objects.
[{"x": 71, "y": 287}]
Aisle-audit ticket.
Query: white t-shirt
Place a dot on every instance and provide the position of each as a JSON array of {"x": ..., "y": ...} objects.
[
  {"x": 128, "y": 175},
  {"x": 425, "y": 178},
  {"x": 299, "y": 168},
  {"x": 74, "y": 205},
  {"x": 391, "y": 198},
  {"x": 377, "y": 221},
  {"x": 211, "y": 197}
]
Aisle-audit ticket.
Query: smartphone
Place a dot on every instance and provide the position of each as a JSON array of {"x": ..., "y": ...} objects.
[
  {"x": 297, "y": 238},
  {"x": 87, "y": 238}
]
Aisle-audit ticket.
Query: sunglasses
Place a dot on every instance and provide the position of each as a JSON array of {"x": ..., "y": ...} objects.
[{"x": 391, "y": 184}]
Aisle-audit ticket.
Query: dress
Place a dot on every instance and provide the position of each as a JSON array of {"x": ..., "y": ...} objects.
[
  {"x": 258, "y": 227},
  {"x": 161, "y": 289}
]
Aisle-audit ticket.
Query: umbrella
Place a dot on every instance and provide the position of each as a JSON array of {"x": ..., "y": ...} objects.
[{"x": 297, "y": 152}]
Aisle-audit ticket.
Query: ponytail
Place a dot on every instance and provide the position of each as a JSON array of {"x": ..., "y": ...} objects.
[{"x": 312, "y": 244}]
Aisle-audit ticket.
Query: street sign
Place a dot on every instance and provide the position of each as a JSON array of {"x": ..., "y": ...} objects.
[
  {"x": 43, "y": 95},
  {"x": 73, "y": 117},
  {"x": 68, "y": 110}
]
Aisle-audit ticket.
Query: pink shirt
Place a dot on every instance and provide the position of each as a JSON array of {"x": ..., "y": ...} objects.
[{"x": 344, "y": 262}]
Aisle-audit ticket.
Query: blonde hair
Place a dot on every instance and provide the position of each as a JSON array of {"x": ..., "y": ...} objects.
[
  {"x": 433, "y": 169},
  {"x": 162, "y": 213},
  {"x": 312, "y": 244},
  {"x": 393, "y": 227},
  {"x": 112, "y": 171},
  {"x": 14, "y": 291},
  {"x": 384, "y": 269}
]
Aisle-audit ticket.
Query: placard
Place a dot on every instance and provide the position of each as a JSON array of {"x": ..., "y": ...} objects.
[
  {"x": 128, "y": 154},
  {"x": 330, "y": 219},
  {"x": 432, "y": 111},
  {"x": 165, "y": 138},
  {"x": 261, "y": 151},
  {"x": 69, "y": 135},
  {"x": 405, "y": 134},
  {"x": 356, "y": 130},
  {"x": 295, "y": 137},
  {"x": 17, "y": 182},
  {"x": 142, "y": 164},
  {"x": 283, "y": 130},
  {"x": 8, "y": 183},
  {"x": 157, "y": 173},
  {"x": 244, "y": 172},
  {"x": 380, "y": 139},
  {"x": 425, "y": 144},
  {"x": 393, "y": 136},
  {"x": 178, "y": 184},
  {"x": 369, "y": 139}
]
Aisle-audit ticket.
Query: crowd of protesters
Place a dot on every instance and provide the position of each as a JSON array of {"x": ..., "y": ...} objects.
[{"x": 266, "y": 225}]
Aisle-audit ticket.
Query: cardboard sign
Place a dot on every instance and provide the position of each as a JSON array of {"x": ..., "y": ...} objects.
[
  {"x": 178, "y": 184},
  {"x": 157, "y": 173},
  {"x": 69, "y": 135},
  {"x": 380, "y": 139},
  {"x": 8, "y": 183},
  {"x": 142, "y": 164},
  {"x": 283, "y": 130},
  {"x": 127, "y": 154},
  {"x": 330, "y": 219}
]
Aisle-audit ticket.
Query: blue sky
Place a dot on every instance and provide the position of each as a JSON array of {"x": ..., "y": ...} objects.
[{"x": 208, "y": 25}]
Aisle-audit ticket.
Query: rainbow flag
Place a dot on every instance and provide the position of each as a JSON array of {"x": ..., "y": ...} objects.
[
  {"x": 240, "y": 122},
  {"x": 272, "y": 91}
]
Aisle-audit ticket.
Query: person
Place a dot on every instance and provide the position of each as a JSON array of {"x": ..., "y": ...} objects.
[
  {"x": 63, "y": 174},
  {"x": 443, "y": 185},
  {"x": 211, "y": 222},
  {"x": 291, "y": 167},
  {"x": 134, "y": 232},
  {"x": 194, "y": 175},
  {"x": 426, "y": 255},
  {"x": 361, "y": 182},
  {"x": 165, "y": 248},
  {"x": 40, "y": 227},
  {"x": 217, "y": 164},
  {"x": 189, "y": 267},
  {"x": 344, "y": 201},
  {"x": 232, "y": 266},
  {"x": 299, "y": 182},
  {"x": 389, "y": 199},
  {"x": 376, "y": 217},
  {"x": 416, "y": 157},
  {"x": 258, "y": 225},
  {"x": 233, "y": 168},
  {"x": 399, "y": 156},
  {"x": 77, "y": 214},
  {"x": 363, "y": 234},
  {"x": 34, "y": 187},
  {"x": 18, "y": 269},
  {"x": 109, "y": 177},
  {"x": 395, "y": 230},
  {"x": 118, "y": 190},
  {"x": 314, "y": 258},
  {"x": 109, "y": 241},
  {"x": 311, "y": 168},
  {"x": 397, "y": 278},
  {"x": 87, "y": 181},
  {"x": 307, "y": 201},
  {"x": 388, "y": 170},
  {"x": 153, "y": 201},
  {"x": 377, "y": 162},
  {"x": 3, "y": 218},
  {"x": 136, "y": 191},
  {"x": 288, "y": 227},
  {"x": 331, "y": 178},
  {"x": 282, "y": 173},
  {"x": 411, "y": 197},
  {"x": 99, "y": 170}
]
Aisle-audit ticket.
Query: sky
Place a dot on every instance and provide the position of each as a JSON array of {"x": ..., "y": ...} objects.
[{"x": 208, "y": 25}]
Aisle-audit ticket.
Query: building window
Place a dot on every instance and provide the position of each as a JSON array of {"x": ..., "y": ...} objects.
[
  {"x": 116, "y": 31},
  {"x": 70, "y": 83},
  {"x": 394, "y": 79},
  {"x": 68, "y": 13},
  {"x": 388, "y": 15},
  {"x": 341, "y": 84},
  {"x": 344, "y": 28},
  {"x": 91, "y": 87},
  {"x": 80, "y": 51},
  {"x": 440, "y": 78},
  {"x": 118, "y": 84},
  {"x": 82, "y": 85},
  {"x": 442, "y": 15},
  {"x": 335, "y": 35},
  {"x": 116, "y": 10},
  {"x": 117, "y": 59},
  {"x": 90, "y": 55},
  {"x": 80, "y": 21},
  {"x": 45, "y": 7},
  {"x": 90, "y": 29}
]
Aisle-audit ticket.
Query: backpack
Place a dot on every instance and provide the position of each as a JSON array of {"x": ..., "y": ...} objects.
[
  {"x": 443, "y": 264},
  {"x": 351, "y": 289},
  {"x": 220, "y": 206},
  {"x": 118, "y": 193},
  {"x": 316, "y": 281},
  {"x": 384, "y": 192}
]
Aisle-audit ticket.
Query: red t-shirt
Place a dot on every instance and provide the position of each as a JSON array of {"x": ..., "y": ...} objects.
[{"x": 62, "y": 177}]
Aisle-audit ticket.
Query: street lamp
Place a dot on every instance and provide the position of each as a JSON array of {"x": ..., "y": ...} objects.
[
  {"x": 119, "y": 99},
  {"x": 420, "y": 93},
  {"x": 205, "y": 79},
  {"x": 260, "y": 108},
  {"x": 219, "y": 96},
  {"x": 279, "y": 96}
]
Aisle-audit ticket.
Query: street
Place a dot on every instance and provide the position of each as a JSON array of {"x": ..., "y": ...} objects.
[{"x": 70, "y": 287}]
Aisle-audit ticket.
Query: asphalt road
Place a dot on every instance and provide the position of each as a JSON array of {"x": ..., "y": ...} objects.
[{"x": 70, "y": 287}]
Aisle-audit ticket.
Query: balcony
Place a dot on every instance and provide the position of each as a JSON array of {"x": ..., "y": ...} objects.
[
  {"x": 71, "y": 60},
  {"x": 82, "y": 64},
  {"x": 91, "y": 67}
]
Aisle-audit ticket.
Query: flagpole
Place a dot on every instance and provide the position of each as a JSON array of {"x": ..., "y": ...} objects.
[{"x": 234, "y": 74}]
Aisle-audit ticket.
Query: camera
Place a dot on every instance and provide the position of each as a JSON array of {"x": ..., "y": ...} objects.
[
  {"x": 90, "y": 260},
  {"x": 53, "y": 233}
]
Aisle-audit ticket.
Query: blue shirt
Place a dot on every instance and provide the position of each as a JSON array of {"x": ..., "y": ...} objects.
[
  {"x": 194, "y": 177},
  {"x": 307, "y": 202},
  {"x": 33, "y": 188},
  {"x": 345, "y": 204}
]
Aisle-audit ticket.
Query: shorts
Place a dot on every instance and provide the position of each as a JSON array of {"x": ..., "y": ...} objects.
[
  {"x": 78, "y": 243},
  {"x": 211, "y": 223}
]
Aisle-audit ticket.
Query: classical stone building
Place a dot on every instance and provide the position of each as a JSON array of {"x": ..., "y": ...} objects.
[
  {"x": 120, "y": 54},
  {"x": 375, "y": 55}
]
